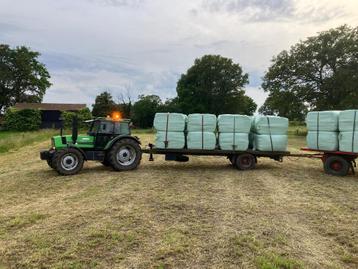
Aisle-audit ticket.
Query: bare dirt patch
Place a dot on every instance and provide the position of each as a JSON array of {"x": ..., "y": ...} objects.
[{"x": 200, "y": 214}]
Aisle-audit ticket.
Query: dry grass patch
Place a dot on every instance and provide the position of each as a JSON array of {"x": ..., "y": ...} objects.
[{"x": 200, "y": 214}]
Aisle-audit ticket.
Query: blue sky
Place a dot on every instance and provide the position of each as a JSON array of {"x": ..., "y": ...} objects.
[{"x": 143, "y": 46}]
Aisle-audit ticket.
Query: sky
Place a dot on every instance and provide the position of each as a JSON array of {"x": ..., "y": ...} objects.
[{"x": 133, "y": 47}]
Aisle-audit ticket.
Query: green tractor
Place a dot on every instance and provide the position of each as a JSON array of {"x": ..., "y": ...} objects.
[{"x": 107, "y": 141}]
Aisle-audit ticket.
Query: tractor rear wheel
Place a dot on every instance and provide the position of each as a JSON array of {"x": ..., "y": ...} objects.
[
  {"x": 68, "y": 161},
  {"x": 125, "y": 155}
]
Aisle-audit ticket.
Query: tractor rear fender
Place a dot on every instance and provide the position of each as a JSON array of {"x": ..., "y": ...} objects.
[{"x": 114, "y": 140}]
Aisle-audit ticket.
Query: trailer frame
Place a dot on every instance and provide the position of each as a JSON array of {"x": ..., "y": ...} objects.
[{"x": 242, "y": 160}]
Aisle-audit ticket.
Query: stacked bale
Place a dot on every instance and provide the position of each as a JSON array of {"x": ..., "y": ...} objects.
[
  {"x": 170, "y": 129},
  {"x": 270, "y": 133},
  {"x": 348, "y": 127},
  {"x": 201, "y": 131},
  {"x": 234, "y": 132},
  {"x": 322, "y": 130}
]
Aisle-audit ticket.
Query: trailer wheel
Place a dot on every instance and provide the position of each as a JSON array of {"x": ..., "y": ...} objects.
[
  {"x": 125, "y": 155},
  {"x": 68, "y": 161},
  {"x": 336, "y": 166},
  {"x": 245, "y": 161}
]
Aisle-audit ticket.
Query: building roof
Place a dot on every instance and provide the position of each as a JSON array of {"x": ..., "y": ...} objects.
[{"x": 50, "y": 106}]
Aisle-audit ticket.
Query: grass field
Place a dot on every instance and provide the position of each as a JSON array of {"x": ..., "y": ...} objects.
[{"x": 200, "y": 214}]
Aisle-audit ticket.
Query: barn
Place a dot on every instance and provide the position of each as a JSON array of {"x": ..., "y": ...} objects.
[{"x": 50, "y": 112}]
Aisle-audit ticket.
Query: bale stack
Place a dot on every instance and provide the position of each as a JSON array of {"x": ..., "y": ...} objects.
[
  {"x": 170, "y": 129},
  {"x": 201, "y": 131},
  {"x": 270, "y": 133},
  {"x": 322, "y": 130},
  {"x": 348, "y": 128},
  {"x": 234, "y": 132}
]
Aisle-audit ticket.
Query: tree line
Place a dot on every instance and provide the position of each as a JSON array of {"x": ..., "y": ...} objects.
[{"x": 318, "y": 73}]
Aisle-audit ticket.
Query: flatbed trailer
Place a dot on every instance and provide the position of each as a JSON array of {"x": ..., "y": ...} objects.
[
  {"x": 335, "y": 163},
  {"x": 242, "y": 160}
]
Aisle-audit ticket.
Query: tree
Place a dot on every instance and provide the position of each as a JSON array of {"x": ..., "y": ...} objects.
[
  {"x": 214, "y": 84},
  {"x": 143, "y": 111},
  {"x": 319, "y": 73},
  {"x": 103, "y": 105},
  {"x": 171, "y": 105},
  {"x": 22, "y": 77}
]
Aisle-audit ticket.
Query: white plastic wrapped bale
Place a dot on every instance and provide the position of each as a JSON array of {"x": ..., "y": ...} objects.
[
  {"x": 201, "y": 140},
  {"x": 171, "y": 122},
  {"x": 270, "y": 142},
  {"x": 234, "y": 141},
  {"x": 176, "y": 140},
  {"x": 348, "y": 141},
  {"x": 201, "y": 123},
  {"x": 270, "y": 125},
  {"x": 322, "y": 140},
  {"x": 326, "y": 121},
  {"x": 348, "y": 121},
  {"x": 233, "y": 123}
]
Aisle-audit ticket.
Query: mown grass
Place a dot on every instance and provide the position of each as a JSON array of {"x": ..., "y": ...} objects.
[{"x": 199, "y": 214}]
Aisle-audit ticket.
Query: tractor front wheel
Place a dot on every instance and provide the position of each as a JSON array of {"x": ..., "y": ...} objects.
[
  {"x": 68, "y": 161},
  {"x": 125, "y": 155}
]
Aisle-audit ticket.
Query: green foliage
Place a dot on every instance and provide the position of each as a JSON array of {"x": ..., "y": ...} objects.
[
  {"x": 22, "y": 120},
  {"x": 104, "y": 105},
  {"x": 144, "y": 110},
  {"x": 317, "y": 73},
  {"x": 82, "y": 115},
  {"x": 214, "y": 84},
  {"x": 22, "y": 77}
]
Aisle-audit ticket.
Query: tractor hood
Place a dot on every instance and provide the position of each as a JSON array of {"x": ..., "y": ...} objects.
[{"x": 83, "y": 141}]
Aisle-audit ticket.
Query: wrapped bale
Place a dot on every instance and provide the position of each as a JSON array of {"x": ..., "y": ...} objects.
[
  {"x": 170, "y": 130},
  {"x": 322, "y": 130},
  {"x": 175, "y": 140},
  {"x": 348, "y": 127},
  {"x": 171, "y": 122},
  {"x": 348, "y": 142},
  {"x": 270, "y": 125},
  {"x": 234, "y": 141},
  {"x": 230, "y": 123},
  {"x": 270, "y": 142},
  {"x": 322, "y": 140},
  {"x": 326, "y": 121},
  {"x": 348, "y": 121},
  {"x": 201, "y": 140},
  {"x": 270, "y": 133},
  {"x": 201, "y": 123}
]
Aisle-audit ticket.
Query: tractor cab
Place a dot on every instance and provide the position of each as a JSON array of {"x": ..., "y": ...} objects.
[{"x": 108, "y": 140}]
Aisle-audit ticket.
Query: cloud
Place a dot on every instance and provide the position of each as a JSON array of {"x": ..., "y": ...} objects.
[
  {"x": 274, "y": 10},
  {"x": 119, "y": 3}
]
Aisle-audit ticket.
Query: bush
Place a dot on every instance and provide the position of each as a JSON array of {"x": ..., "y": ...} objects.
[
  {"x": 22, "y": 120},
  {"x": 83, "y": 115}
]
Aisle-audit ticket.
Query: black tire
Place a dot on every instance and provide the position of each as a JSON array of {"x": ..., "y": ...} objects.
[
  {"x": 336, "y": 166},
  {"x": 125, "y": 155},
  {"x": 68, "y": 161},
  {"x": 245, "y": 161}
]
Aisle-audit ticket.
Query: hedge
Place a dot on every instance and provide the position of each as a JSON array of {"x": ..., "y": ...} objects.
[
  {"x": 22, "y": 120},
  {"x": 82, "y": 115}
]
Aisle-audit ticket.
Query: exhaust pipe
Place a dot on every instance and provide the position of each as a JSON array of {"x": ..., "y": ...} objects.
[{"x": 74, "y": 129}]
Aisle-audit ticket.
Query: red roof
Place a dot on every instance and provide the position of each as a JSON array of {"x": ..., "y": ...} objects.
[{"x": 50, "y": 106}]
